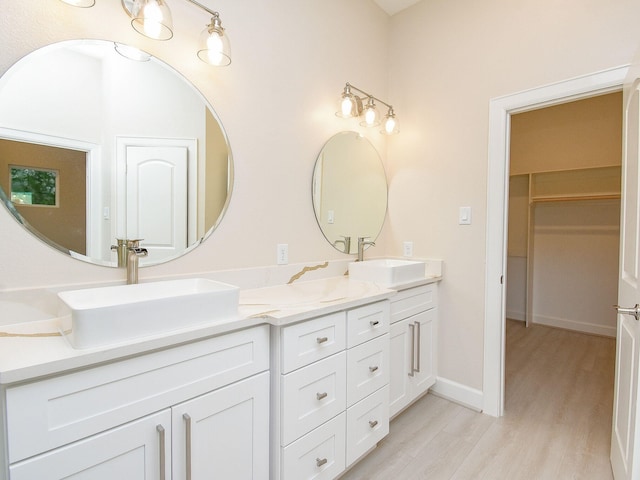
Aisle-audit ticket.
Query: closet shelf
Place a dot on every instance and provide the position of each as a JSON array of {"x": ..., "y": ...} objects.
[{"x": 574, "y": 198}]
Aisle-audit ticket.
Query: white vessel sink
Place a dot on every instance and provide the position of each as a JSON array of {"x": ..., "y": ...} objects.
[
  {"x": 387, "y": 271},
  {"x": 106, "y": 315}
]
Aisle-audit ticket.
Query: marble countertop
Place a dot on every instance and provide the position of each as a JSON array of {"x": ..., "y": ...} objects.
[{"x": 37, "y": 348}]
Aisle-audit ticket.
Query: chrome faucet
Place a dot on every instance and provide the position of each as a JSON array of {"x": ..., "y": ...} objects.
[
  {"x": 361, "y": 244},
  {"x": 346, "y": 242},
  {"x": 135, "y": 251}
]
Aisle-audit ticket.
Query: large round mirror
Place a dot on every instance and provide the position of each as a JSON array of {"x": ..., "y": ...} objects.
[
  {"x": 349, "y": 191},
  {"x": 98, "y": 145}
]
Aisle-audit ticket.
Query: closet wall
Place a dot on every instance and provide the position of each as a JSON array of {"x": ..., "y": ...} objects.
[{"x": 564, "y": 215}]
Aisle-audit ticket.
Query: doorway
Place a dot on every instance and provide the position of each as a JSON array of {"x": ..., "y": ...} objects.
[{"x": 500, "y": 111}]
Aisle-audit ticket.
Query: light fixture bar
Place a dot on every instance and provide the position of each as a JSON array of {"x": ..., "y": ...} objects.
[
  {"x": 210, "y": 12},
  {"x": 360, "y": 90}
]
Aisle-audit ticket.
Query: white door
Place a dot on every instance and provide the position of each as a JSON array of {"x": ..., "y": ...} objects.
[
  {"x": 157, "y": 199},
  {"x": 224, "y": 434},
  {"x": 625, "y": 444},
  {"x": 140, "y": 450}
]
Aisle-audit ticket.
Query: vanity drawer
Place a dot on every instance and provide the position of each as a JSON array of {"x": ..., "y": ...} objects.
[
  {"x": 319, "y": 455},
  {"x": 413, "y": 300},
  {"x": 367, "y": 368},
  {"x": 367, "y": 322},
  {"x": 312, "y": 395},
  {"x": 306, "y": 342},
  {"x": 52, "y": 412},
  {"x": 367, "y": 424}
]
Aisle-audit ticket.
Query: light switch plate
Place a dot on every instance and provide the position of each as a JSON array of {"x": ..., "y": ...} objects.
[{"x": 464, "y": 216}]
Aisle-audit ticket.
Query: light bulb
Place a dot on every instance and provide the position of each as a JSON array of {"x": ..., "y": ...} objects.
[
  {"x": 152, "y": 20},
  {"x": 390, "y": 125},
  {"x": 370, "y": 116},
  {"x": 346, "y": 106}
]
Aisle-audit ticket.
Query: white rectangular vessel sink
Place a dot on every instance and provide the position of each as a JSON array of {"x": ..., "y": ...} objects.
[
  {"x": 387, "y": 271},
  {"x": 107, "y": 315}
]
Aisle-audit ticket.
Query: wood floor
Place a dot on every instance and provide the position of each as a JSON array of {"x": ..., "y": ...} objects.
[{"x": 557, "y": 422}]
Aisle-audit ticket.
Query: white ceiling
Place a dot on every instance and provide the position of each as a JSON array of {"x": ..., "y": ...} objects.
[{"x": 394, "y": 6}]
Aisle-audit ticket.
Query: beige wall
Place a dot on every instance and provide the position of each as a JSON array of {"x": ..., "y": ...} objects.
[{"x": 449, "y": 60}]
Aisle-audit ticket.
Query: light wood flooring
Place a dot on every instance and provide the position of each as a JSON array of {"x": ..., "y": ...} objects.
[{"x": 557, "y": 422}]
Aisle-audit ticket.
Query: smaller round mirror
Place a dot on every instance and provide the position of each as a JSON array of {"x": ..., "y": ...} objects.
[{"x": 349, "y": 191}]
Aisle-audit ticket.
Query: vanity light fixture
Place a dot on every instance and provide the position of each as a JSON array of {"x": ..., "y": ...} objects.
[
  {"x": 351, "y": 106},
  {"x": 152, "y": 18}
]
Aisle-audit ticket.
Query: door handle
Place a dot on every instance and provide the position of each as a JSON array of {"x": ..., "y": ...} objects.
[{"x": 633, "y": 311}]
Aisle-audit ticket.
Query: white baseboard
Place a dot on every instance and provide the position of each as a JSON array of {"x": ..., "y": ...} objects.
[
  {"x": 576, "y": 326},
  {"x": 458, "y": 393}
]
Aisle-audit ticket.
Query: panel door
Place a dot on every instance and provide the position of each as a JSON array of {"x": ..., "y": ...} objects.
[
  {"x": 224, "y": 434},
  {"x": 399, "y": 367},
  {"x": 157, "y": 199},
  {"x": 625, "y": 444},
  {"x": 425, "y": 338},
  {"x": 138, "y": 450}
]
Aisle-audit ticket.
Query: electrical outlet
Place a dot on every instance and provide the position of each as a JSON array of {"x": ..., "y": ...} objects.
[
  {"x": 407, "y": 249},
  {"x": 283, "y": 254}
]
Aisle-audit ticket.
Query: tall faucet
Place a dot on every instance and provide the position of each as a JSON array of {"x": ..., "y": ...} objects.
[
  {"x": 135, "y": 251},
  {"x": 346, "y": 242},
  {"x": 361, "y": 244}
]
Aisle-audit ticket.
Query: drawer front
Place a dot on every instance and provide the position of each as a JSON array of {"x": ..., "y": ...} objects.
[
  {"x": 49, "y": 413},
  {"x": 367, "y": 322},
  {"x": 367, "y": 424},
  {"x": 367, "y": 368},
  {"x": 413, "y": 300},
  {"x": 319, "y": 455},
  {"x": 312, "y": 395},
  {"x": 313, "y": 340}
]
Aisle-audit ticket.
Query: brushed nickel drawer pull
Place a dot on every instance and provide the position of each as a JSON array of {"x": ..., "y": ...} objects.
[
  {"x": 321, "y": 339},
  {"x": 373, "y": 423},
  {"x": 187, "y": 419},
  {"x": 163, "y": 462},
  {"x": 320, "y": 461},
  {"x": 374, "y": 323},
  {"x": 322, "y": 395},
  {"x": 373, "y": 369},
  {"x": 412, "y": 327},
  {"x": 419, "y": 344}
]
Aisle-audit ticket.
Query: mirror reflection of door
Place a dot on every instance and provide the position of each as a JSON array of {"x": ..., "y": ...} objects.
[
  {"x": 63, "y": 221},
  {"x": 156, "y": 186}
]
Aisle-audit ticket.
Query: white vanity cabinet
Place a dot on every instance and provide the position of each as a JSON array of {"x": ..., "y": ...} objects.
[
  {"x": 330, "y": 378},
  {"x": 413, "y": 335},
  {"x": 200, "y": 409}
]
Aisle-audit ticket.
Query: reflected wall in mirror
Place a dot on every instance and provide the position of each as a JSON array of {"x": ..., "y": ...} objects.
[
  {"x": 349, "y": 191},
  {"x": 137, "y": 152}
]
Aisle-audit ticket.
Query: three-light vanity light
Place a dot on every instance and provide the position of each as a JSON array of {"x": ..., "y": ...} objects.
[
  {"x": 351, "y": 106},
  {"x": 152, "y": 18}
]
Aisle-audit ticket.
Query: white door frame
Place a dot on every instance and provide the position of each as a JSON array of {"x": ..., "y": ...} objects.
[{"x": 500, "y": 110}]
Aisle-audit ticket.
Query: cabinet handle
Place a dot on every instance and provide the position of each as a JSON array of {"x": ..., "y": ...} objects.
[
  {"x": 419, "y": 347},
  {"x": 413, "y": 348},
  {"x": 320, "y": 461},
  {"x": 373, "y": 369},
  {"x": 163, "y": 462},
  {"x": 321, "y": 339},
  {"x": 320, "y": 396},
  {"x": 374, "y": 323},
  {"x": 373, "y": 423},
  {"x": 187, "y": 420}
]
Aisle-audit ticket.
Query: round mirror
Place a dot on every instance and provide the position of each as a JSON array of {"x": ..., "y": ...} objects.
[
  {"x": 349, "y": 191},
  {"x": 100, "y": 143}
]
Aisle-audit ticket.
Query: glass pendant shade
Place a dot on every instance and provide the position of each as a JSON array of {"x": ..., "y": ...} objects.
[
  {"x": 390, "y": 123},
  {"x": 152, "y": 18},
  {"x": 371, "y": 115},
  {"x": 349, "y": 105},
  {"x": 215, "y": 48},
  {"x": 80, "y": 3}
]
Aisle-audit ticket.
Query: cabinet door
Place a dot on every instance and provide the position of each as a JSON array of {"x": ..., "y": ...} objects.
[
  {"x": 224, "y": 434},
  {"x": 425, "y": 331},
  {"x": 399, "y": 367},
  {"x": 138, "y": 450}
]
